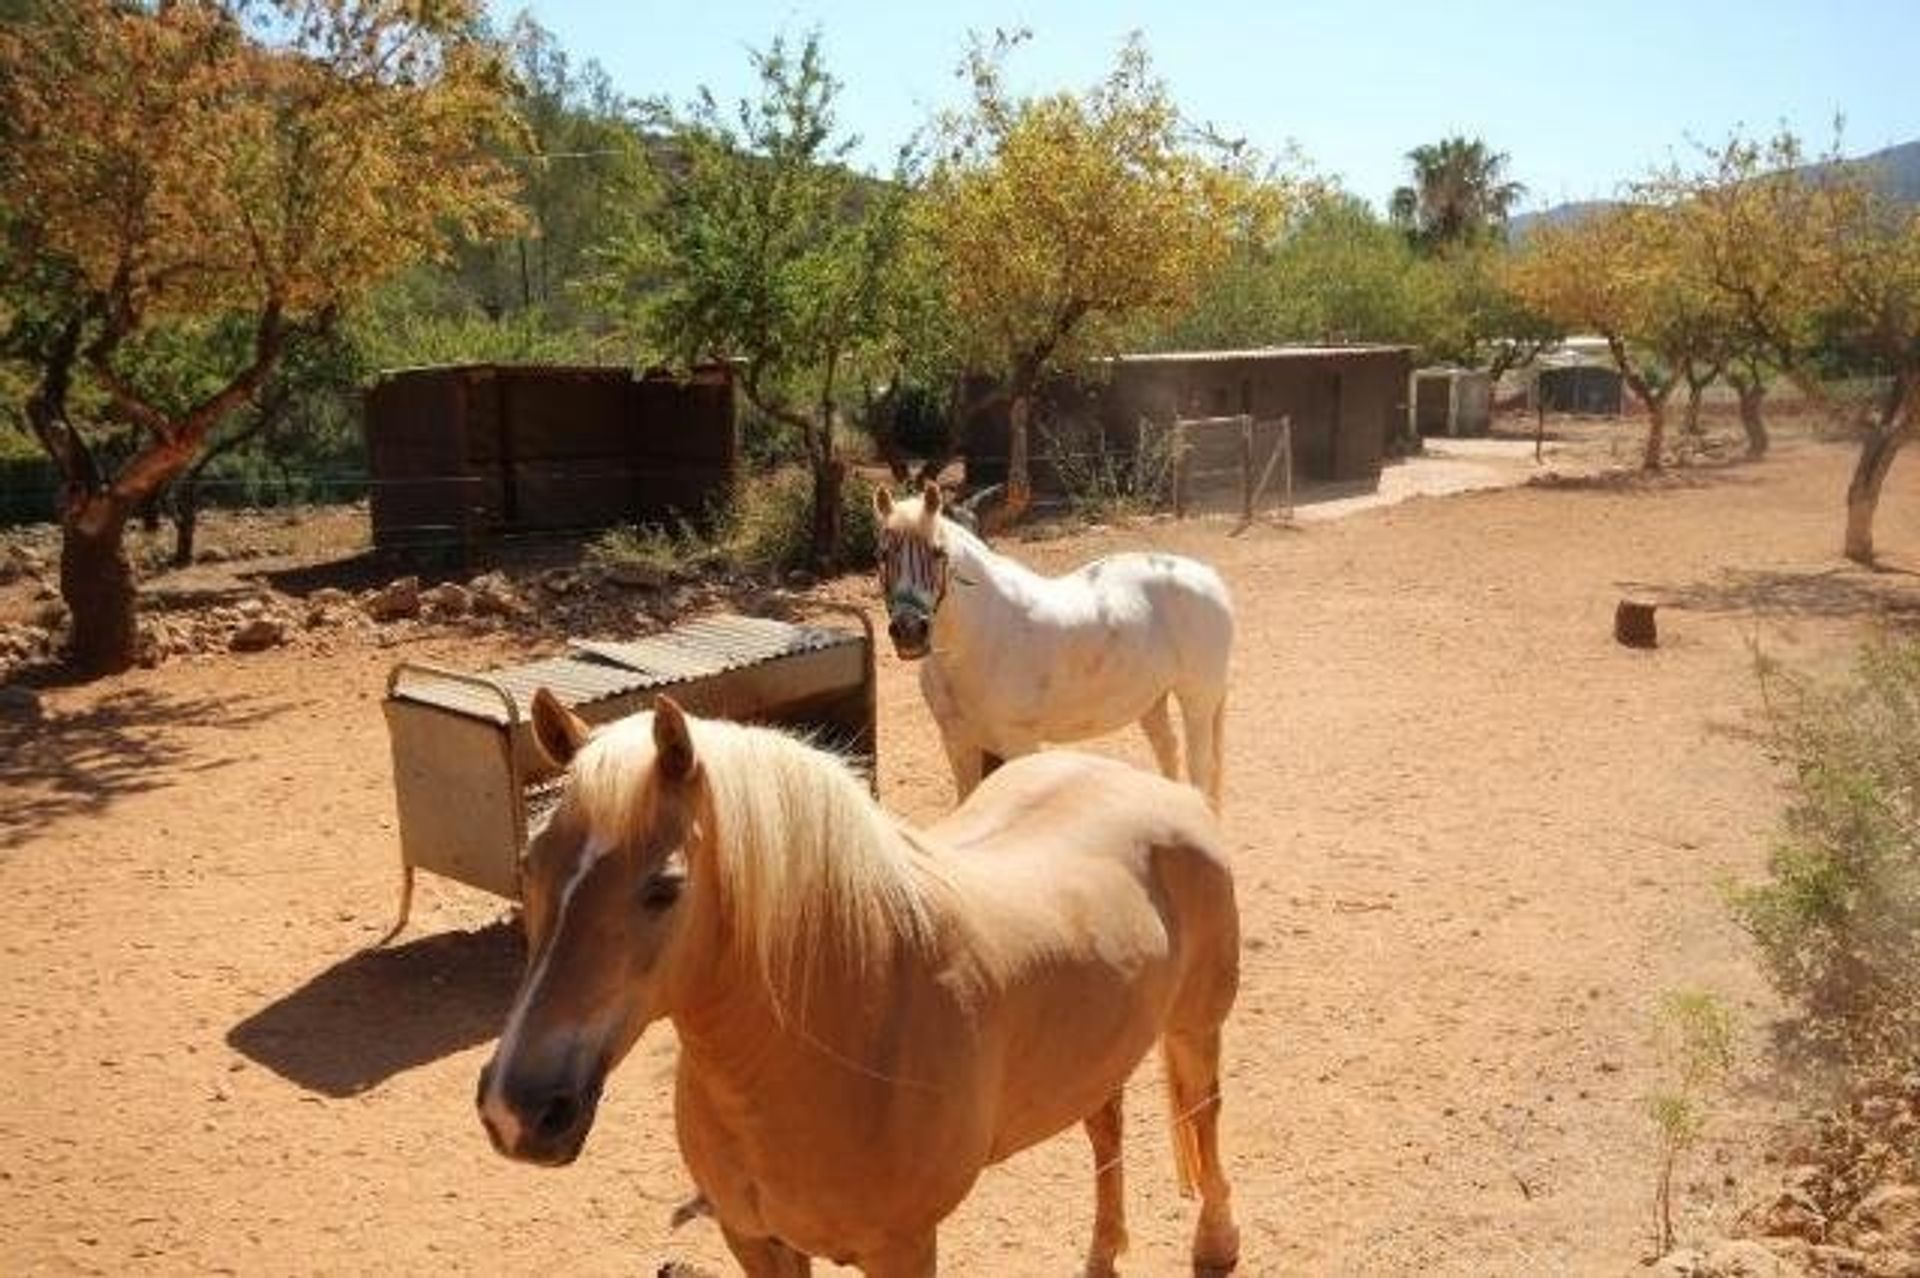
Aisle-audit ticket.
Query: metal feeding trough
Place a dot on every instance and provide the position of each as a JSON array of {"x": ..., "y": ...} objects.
[{"x": 470, "y": 782}]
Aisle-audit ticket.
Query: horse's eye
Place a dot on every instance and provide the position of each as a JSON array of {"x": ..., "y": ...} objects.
[{"x": 661, "y": 891}]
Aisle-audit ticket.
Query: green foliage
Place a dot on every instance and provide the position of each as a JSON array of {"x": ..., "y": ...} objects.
[
  {"x": 1460, "y": 197},
  {"x": 1837, "y": 920},
  {"x": 1697, "y": 1038}
]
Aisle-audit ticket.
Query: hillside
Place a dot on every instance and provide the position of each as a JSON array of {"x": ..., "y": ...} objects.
[{"x": 1896, "y": 170}]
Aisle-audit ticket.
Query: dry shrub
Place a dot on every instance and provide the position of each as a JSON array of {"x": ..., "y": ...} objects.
[
  {"x": 1837, "y": 920},
  {"x": 770, "y": 526}
]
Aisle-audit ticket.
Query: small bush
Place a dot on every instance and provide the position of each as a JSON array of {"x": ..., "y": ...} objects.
[
  {"x": 1695, "y": 1034},
  {"x": 651, "y": 552},
  {"x": 770, "y": 527},
  {"x": 1104, "y": 482},
  {"x": 1837, "y": 921}
]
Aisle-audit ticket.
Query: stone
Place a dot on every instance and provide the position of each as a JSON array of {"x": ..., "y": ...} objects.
[
  {"x": 257, "y": 634},
  {"x": 1894, "y": 1263},
  {"x": 17, "y": 702},
  {"x": 801, "y": 579},
  {"x": 557, "y": 580},
  {"x": 1794, "y": 1215},
  {"x": 448, "y": 599},
  {"x": 1742, "y": 1258},
  {"x": 398, "y": 598},
  {"x": 1833, "y": 1259},
  {"x": 329, "y": 597},
  {"x": 1893, "y": 1211},
  {"x": 493, "y": 595},
  {"x": 635, "y": 575}
]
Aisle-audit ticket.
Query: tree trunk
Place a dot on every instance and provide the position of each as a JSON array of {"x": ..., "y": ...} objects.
[
  {"x": 1656, "y": 432},
  {"x": 1877, "y": 452},
  {"x": 1019, "y": 476},
  {"x": 1691, "y": 422},
  {"x": 186, "y": 519},
  {"x": 829, "y": 478},
  {"x": 1751, "y": 397},
  {"x": 96, "y": 580}
]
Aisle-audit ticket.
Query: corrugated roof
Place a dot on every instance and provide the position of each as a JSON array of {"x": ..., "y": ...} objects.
[
  {"x": 598, "y": 671},
  {"x": 1257, "y": 353}
]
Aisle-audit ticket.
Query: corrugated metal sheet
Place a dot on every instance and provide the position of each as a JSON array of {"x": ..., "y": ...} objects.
[{"x": 597, "y": 670}]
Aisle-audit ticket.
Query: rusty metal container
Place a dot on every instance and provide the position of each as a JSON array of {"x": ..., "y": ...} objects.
[{"x": 471, "y": 785}]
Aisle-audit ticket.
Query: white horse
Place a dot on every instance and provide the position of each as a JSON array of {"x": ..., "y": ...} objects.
[{"x": 1014, "y": 659}]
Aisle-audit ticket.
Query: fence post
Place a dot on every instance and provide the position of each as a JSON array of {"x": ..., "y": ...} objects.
[
  {"x": 1179, "y": 469},
  {"x": 1286, "y": 468},
  {"x": 1246, "y": 468}
]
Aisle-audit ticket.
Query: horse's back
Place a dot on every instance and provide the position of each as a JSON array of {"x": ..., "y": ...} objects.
[{"x": 1183, "y": 599}]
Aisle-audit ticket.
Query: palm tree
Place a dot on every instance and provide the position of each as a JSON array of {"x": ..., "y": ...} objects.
[{"x": 1458, "y": 195}]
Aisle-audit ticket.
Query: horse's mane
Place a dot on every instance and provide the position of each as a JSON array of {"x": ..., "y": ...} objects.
[{"x": 807, "y": 865}]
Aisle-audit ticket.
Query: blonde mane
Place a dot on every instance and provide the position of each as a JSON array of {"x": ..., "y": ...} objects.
[{"x": 806, "y": 865}]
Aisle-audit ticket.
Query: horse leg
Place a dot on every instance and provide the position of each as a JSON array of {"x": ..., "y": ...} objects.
[
  {"x": 1158, "y": 725},
  {"x": 766, "y": 1257},
  {"x": 1203, "y": 716},
  {"x": 910, "y": 1258},
  {"x": 1110, "y": 1209},
  {"x": 963, "y": 756},
  {"x": 1193, "y": 1079}
]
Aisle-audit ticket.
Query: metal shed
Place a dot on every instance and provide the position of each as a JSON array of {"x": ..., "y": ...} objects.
[
  {"x": 461, "y": 455},
  {"x": 1452, "y": 401},
  {"x": 1588, "y": 390},
  {"x": 1348, "y": 405}
]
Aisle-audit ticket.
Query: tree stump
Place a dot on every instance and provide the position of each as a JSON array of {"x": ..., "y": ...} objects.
[{"x": 1633, "y": 624}]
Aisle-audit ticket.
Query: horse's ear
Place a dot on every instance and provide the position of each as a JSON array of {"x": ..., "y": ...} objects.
[
  {"x": 930, "y": 497},
  {"x": 882, "y": 501},
  {"x": 672, "y": 741},
  {"x": 559, "y": 731}
]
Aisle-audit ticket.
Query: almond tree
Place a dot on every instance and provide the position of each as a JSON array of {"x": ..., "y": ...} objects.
[
  {"x": 202, "y": 159},
  {"x": 1818, "y": 264},
  {"x": 767, "y": 250},
  {"x": 1058, "y": 218}
]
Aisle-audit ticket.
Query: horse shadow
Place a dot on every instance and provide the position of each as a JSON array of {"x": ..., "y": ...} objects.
[{"x": 381, "y": 1012}]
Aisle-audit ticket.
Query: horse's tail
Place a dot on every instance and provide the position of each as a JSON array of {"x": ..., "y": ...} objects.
[{"x": 1186, "y": 1139}]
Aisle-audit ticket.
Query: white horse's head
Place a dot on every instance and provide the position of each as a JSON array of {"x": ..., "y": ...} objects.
[{"x": 914, "y": 572}]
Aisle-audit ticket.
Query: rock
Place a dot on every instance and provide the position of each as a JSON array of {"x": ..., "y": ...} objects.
[
  {"x": 1685, "y": 1262},
  {"x": 493, "y": 595},
  {"x": 258, "y": 633},
  {"x": 50, "y": 614},
  {"x": 1794, "y": 1215},
  {"x": 318, "y": 615},
  {"x": 1831, "y": 1259},
  {"x": 212, "y": 555},
  {"x": 448, "y": 599},
  {"x": 635, "y": 575},
  {"x": 801, "y": 579},
  {"x": 1893, "y": 1264},
  {"x": 1893, "y": 1211},
  {"x": 557, "y": 580},
  {"x": 329, "y": 597},
  {"x": 398, "y": 598},
  {"x": 19, "y": 703},
  {"x": 1742, "y": 1258}
]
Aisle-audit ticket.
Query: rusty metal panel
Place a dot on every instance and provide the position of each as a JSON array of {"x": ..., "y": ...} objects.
[
  {"x": 470, "y": 781},
  {"x": 458, "y": 796}
]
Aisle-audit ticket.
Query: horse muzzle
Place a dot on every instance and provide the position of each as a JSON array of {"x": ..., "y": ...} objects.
[
  {"x": 912, "y": 634},
  {"x": 539, "y": 1121}
]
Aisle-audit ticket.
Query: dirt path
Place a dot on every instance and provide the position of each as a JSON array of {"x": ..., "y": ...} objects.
[{"x": 1477, "y": 842}]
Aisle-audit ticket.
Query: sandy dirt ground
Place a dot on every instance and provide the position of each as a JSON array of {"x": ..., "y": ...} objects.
[{"x": 1477, "y": 841}]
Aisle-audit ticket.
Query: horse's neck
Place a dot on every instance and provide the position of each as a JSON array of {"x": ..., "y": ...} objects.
[
  {"x": 743, "y": 1044},
  {"x": 985, "y": 590}
]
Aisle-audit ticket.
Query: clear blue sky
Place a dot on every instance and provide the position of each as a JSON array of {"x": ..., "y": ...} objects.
[{"x": 1580, "y": 96}]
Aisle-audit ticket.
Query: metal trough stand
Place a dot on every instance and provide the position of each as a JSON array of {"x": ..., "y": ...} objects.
[{"x": 470, "y": 783}]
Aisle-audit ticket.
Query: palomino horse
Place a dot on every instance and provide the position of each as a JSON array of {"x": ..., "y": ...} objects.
[
  {"x": 867, "y": 1015},
  {"x": 1014, "y": 659}
]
